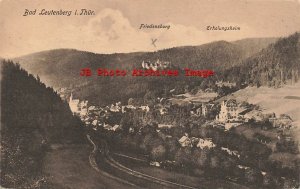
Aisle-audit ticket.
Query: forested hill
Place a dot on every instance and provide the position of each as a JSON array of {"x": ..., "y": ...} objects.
[
  {"x": 59, "y": 68},
  {"x": 251, "y": 46},
  {"x": 32, "y": 118},
  {"x": 274, "y": 66}
]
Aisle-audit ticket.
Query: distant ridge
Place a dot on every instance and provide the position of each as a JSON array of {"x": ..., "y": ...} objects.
[{"x": 61, "y": 67}]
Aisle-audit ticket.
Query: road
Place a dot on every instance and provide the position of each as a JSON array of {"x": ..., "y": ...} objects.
[{"x": 111, "y": 168}]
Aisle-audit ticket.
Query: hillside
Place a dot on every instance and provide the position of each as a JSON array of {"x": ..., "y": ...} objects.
[
  {"x": 285, "y": 100},
  {"x": 33, "y": 117},
  {"x": 274, "y": 66},
  {"x": 61, "y": 67},
  {"x": 251, "y": 46}
]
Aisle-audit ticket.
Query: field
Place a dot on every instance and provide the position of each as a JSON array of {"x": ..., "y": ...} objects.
[{"x": 69, "y": 168}]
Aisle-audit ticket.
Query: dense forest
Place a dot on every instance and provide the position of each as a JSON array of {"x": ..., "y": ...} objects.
[
  {"x": 59, "y": 68},
  {"x": 33, "y": 117},
  {"x": 267, "y": 61},
  {"x": 274, "y": 66}
]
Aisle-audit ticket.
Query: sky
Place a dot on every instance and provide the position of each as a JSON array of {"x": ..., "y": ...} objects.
[{"x": 115, "y": 26}]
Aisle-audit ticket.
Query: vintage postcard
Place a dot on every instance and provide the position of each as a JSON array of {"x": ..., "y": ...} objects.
[{"x": 154, "y": 94}]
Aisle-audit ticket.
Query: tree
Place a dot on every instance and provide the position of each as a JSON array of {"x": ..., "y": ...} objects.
[
  {"x": 268, "y": 181},
  {"x": 214, "y": 162},
  {"x": 183, "y": 156},
  {"x": 201, "y": 157},
  {"x": 130, "y": 101},
  {"x": 172, "y": 146},
  {"x": 158, "y": 153},
  {"x": 150, "y": 98},
  {"x": 253, "y": 176},
  {"x": 33, "y": 117}
]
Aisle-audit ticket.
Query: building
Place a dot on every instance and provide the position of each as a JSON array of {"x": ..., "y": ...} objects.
[
  {"x": 165, "y": 126},
  {"x": 205, "y": 143},
  {"x": 155, "y": 65},
  {"x": 145, "y": 108},
  {"x": 185, "y": 141},
  {"x": 283, "y": 121},
  {"x": 83, "y": 108},
  {"x": 231, "y": 152},
  {"x": 204, "y": 110},
  {"x": 229, "y": 111},
  {"x": 116, "y": 108},
  {"x": 225, "y": 84},
  {"x": 128, "y": 107},
  {"x": 77, "y": 107},
  {"x": 74, "y": 105}
]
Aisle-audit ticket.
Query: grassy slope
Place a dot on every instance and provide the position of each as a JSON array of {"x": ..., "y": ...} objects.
[
  {"x": 69, "y": 167},
  {"x": 273, "y": 100}
]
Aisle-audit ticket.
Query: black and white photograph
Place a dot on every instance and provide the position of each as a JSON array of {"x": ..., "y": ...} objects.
[{"x": 140, "y": 94}]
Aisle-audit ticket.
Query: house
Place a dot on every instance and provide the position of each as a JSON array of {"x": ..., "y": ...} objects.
[
  {"x": 205, "y": 143},
  {"x": 185, "y": 141},
  {"x": 165, "y": 126},
  {"x": 204, "y": 110},
  {"x": 131, "y": 130},
  {"x": 77, "y": 107},
  {"x": 243, "y": 167},
  {"x": 74, "y": 105},
  {"x": 155, "y": 163},
  {"x": 231, "y": 152},
  {"x": 284, "y": 121},
  {"x": 115, "y": 127},
  {"x": 198, "y": 111},
  {"x": 83, "y": 108},
  {"x": 163, "y": 111},
  {"x": 145, "y": 108},
  {"x": 91, "y": 108},
  {"x": 225, "y": 84},
  {"x": 107, "y": 126},
  {"x": 229, "y": 111},
  {"x": 115, "y": 108},
  {"x": 131, "y": 107},
  {"x": 95, "y": 122}
]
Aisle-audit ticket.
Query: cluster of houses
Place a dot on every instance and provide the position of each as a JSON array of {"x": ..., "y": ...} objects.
[
  {"x": 78, "y": 107},
  {"x": 231, "y": 112},
  {"x": 202, "y": 110},
  {"x": 186, "y": 141},
  {"x": 93, "y": 115}
]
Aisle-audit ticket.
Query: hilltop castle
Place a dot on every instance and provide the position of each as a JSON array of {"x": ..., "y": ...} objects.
[{"x": 155, "y": 65}]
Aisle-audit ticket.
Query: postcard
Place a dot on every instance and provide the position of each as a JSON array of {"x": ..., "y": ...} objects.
[{"x": 119, "y": 94}]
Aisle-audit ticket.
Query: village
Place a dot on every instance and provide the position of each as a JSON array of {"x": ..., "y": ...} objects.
[
  {"x": 200, "y": 127},
  {"x": 230, "y": 114}
]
